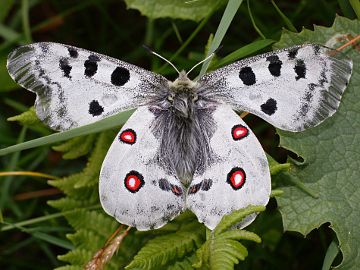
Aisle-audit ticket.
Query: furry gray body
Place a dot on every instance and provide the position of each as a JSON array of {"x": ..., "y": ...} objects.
[{"x": 185, "y": 126}]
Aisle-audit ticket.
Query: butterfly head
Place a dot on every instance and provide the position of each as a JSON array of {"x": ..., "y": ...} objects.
[{"x": 182, "y": 95}]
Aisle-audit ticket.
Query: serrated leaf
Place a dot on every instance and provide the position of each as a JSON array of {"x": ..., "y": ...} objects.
[
  {"x": 76, "y": 147},
  {"x": 220, "y": 254},
  {"x": 236, "y": 217},
  {"x": 176, "y": 9},
  {"x": 331, "y": 156},
  {"x": 222, "y": 249},
  {"x": 161, "y": 250},
  {"x": 185, "y": 264}
]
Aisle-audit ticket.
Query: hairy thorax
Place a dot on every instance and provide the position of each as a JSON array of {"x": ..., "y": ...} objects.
[{"x": 185, "y": 125}]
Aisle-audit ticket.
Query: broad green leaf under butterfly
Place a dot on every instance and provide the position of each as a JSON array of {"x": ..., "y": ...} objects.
[
  {"x": 331, "y": 156},
  {"x": 176, "y": 9}
]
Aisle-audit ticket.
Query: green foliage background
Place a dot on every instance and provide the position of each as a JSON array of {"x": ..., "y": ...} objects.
[{"x": 63, "y": 226}]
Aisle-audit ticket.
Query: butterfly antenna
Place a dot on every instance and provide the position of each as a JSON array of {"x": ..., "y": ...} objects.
[
  {"x": 202, "y": 61},
  {"x": 163, "y": 58}
]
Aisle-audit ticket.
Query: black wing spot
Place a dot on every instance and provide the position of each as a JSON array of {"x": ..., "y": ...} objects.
[
  {"x": 94, "y": 58},
  {"x": 176, "y": 190},
  {"x": 44, "y": 47},
  {"x": 164, "y": 184},
  {"x": 247, "y": 76},
  {"x": 120, "y": 76},
  {"x": 300, "y": 69},
  {"x": 206, "y": 184},
  {"x": 292, "y": 53},
  {"x": 95, "y": 109},
  {"x": 269, "y": 107},
  {"x": 73, "y": 52},
  {"x": 91, "y": 65},
  {"x": 65, "y": 67},
  {"x": 194, "y": 188},
  {"x": 275, "y": 65}
]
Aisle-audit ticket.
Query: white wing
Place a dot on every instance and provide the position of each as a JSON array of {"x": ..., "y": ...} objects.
[
  {"x": 134, "y": 188},
  {"x": 292, "y": 89},
  {"x": 76, "y": 87},
  {"x": 239, "y": 178}
]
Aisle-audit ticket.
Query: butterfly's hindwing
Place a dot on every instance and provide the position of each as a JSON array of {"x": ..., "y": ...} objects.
[
  {"x": 240, "y": 176},
  {"x": 293, "y": 89},
  {"x": 133, "y": 187},
  {"x": 76, "y": 87}
]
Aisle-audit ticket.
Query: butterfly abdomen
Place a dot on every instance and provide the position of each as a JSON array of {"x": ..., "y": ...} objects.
[{"x": 185, "y": 136}]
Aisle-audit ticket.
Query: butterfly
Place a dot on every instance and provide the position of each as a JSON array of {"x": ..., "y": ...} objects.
[{"x": 184, "y": 147}]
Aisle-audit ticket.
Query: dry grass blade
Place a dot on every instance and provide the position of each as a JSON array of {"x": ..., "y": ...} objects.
[{"x": 106, "y": 253}]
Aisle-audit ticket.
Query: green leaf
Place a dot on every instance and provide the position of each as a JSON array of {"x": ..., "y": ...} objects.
[
  {"x": 222, "y": 249},
  {"x": 236, "y": 217},
  {"x": 163, "y": 249},
  {"x": 185, "y": 264},
  {"x": 76, "y": 147},
  {"x": 27, "y": 118},
  {"x": 331, "y": 166},
  {"x": 330, "y": 256},
  {"x": 176, "y": 9}
]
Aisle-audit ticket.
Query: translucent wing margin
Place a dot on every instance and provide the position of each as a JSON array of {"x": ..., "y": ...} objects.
[
  {"x": 75, "y": 87},
  {"x": 134, "y": 188},
  {"x": 293, "y": 88}
]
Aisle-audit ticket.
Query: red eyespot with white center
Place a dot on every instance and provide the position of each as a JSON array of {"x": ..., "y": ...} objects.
[
  {"x": 236, "y": 178},
  {"x": 133, "y": 181},
  {"x": 128, "y": 136},
  {"x": 239, "y": 132}
]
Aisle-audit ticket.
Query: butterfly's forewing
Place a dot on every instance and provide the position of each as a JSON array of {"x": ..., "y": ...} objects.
[
  {"x": 76, "y": 87},
  {"x": 292, "y": 89},
  {"x": 239, "y": 177},
  {"x": 134, "y": 188}
]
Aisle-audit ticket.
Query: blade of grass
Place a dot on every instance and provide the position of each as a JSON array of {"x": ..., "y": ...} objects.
[
  {"x": 355, "y": 4},
  {"x": 53, "y": 240},
  {"x": 186, "y": 43},
  {"x": 286, "y": 20},
  {"x": 44, "y": 218},
  {"x": 5, "y": 185},
  {"x": 8, "y": 33},
  {"x": 244, "y": 51},
  {"x": 176, "y": 31},
  {"x": 253, "y": 21},
  {"x": 228, "y": 16},
  {"x": 347, "y": 9},
  {"x": 25, "y": 20},
  {"x": 149, "y": 32},
  {"x": 5, "y": 8},
  {"x": 107, "y": 123},
  {"x": 330, "y": 256}
]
